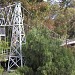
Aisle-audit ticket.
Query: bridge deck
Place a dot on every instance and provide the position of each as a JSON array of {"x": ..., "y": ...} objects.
[{"x": 68, "y": 42}]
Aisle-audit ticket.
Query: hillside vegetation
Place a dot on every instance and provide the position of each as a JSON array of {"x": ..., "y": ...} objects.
[{"x": 46, "y": 26}]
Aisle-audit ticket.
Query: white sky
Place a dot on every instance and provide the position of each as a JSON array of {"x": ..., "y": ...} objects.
[
  {"x": 53, "y": 0},
  {"x": 45, "y": 0}
]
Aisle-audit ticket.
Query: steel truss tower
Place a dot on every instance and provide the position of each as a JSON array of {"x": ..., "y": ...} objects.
[
  {"x": 18, "y": 37},
  {"x": 12, "y": 16}
]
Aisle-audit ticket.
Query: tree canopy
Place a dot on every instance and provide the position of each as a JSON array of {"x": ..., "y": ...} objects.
[{"x": 42, "y": 51}]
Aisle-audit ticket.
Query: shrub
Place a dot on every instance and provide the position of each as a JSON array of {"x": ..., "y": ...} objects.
[
  {"x": 25, "y": 71},
  {"x": 45, "y": 56},
  {"x": 1, "y": 69}
]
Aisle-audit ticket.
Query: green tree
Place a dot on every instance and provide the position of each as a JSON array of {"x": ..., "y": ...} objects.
[
  {"x": 44, "y": 55},
  {"x": 64, "y": 23}
]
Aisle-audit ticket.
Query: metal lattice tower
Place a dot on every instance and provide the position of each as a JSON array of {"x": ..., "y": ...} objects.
[
  {"x": 18, "y": 37},
  {"x": 12, "y": 16}
]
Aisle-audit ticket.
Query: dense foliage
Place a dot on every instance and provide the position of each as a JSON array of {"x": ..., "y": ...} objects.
[
  {"x": 44, "y": 56},
  {"x": 42, "y": 51}
]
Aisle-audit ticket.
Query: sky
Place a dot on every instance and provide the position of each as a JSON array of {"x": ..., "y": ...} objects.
[{"x": 52, "y": 0}]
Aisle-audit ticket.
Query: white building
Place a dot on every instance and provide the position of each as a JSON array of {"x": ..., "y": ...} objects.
[{"x": 2, "y": 33}]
